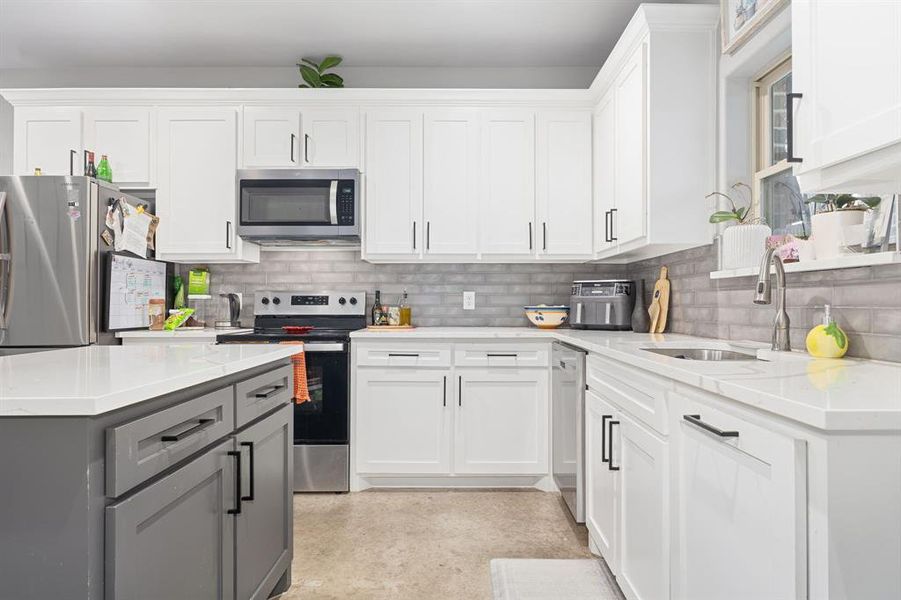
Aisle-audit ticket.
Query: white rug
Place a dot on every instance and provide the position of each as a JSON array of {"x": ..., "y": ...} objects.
[{"x": 548, "y": 579}]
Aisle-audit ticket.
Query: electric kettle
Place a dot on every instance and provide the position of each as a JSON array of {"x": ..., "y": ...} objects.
[{"x": 228, "y": 315}]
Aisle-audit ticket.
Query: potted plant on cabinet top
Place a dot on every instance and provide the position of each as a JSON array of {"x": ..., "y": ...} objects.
[
  {"x": 744, "y": 239},
  {"x": 839, "y": 223}
]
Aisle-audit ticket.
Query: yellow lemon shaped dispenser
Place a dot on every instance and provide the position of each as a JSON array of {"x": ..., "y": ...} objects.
[{"x": 827, "y": 340}]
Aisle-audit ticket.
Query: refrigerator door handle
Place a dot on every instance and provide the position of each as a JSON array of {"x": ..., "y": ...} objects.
[{"x": 5, "y": 266}]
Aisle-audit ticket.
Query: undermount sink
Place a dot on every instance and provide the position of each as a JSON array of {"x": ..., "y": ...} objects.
[{"x": 710, "y": 354}]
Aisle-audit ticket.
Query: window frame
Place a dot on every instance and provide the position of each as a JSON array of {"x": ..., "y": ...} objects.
[{"x": 761, "y": 139}]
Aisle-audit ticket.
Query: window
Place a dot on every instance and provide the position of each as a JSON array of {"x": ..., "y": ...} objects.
[{"x": 777, "y": 198}]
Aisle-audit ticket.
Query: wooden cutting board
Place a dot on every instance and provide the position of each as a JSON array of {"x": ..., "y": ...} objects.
[{"x": 659, "y": 308}]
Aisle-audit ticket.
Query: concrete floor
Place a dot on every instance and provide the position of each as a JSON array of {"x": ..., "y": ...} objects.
[{"x": 422, "y": 544}]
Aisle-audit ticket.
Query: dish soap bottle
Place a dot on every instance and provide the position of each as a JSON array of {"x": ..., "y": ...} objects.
[{"x": 827, "y": 340}]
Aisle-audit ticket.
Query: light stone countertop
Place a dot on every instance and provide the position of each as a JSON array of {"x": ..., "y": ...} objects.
[
  {"x": 841, "y": 394},
  {"x": 93, "y": 380},
  {"x": 207, "y": 332}
]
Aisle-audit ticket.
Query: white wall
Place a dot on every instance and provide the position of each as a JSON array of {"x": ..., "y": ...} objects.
[{"x": 365, "y": 77}]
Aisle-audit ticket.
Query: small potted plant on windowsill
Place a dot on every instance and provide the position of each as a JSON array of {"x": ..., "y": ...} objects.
[
  {"x": 744, "y": 239},
  {"x": 839, "y": 223}
]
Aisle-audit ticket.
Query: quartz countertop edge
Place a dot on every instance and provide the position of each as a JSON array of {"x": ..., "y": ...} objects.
[
  {"x": 94, "y": 380},
  {"x": 207, "y": 332},
  {"x": 849, "y": 394}
]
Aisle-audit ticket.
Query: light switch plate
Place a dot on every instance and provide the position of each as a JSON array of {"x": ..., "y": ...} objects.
[{"x": 469, "y": 300}]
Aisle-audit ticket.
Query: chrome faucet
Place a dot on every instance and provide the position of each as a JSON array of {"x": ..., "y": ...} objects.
[{"x": 764, "y": 295}]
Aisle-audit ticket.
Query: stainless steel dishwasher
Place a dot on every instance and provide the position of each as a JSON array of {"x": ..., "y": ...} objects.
[{"x": 568, "y": 440}]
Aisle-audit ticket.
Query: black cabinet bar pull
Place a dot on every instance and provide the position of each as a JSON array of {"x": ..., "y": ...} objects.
[
  {"x": 530, "y": 235},
  {"x": 249, "y": 446},
  {"x": 513, "y": 355},
  {"x": 610, "y": 447},
  {"x": 293, "y": 137},
  {"x": 237, "y": 509},
  {"x": 408, "y": 355},
  {"x": 604, "y": 420},
  {"x": 606, "y": 225},
  {"x": 428, "y": 234},
  {"x": 612, "y": 230},
  {"x": 790, "y": 127},
  {"x": 444, "y": 392},
  {"x": 270, "y": 392},
  {"x": 544, "y": 236},
  {"x": 459, "y": 390},
  {"x": 177, "y": 437},
  {"x": 306, "y": 148},
  {"x": 696, "y": 420},
  {"x": 228, "y": 235},
  {"x": 72, "y": 155},
  {"x": 414, "y": 235}
]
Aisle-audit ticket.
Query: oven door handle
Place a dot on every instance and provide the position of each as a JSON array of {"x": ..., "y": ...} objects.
[
  {"x": 333, "y": 202},
  {"x": 332, "y": 347}
]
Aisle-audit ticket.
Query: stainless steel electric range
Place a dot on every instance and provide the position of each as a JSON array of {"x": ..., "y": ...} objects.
[{"x": 323, "y": 321}]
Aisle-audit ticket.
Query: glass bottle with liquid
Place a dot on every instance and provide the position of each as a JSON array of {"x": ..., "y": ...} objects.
[{"x": 406, "y": 316}]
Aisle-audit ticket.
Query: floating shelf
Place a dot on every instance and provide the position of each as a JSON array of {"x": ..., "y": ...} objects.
[
  {"x": 199, "y": 297},
  {"x": 842, "y": 262}
]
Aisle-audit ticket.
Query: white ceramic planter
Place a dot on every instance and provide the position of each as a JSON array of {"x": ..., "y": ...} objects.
[
  {"x": 743, "y": 245},
  {"x": 833, "y": 231}
]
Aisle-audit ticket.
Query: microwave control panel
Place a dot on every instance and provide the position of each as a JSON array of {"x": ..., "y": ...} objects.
[{"x": 346, "y": 202}]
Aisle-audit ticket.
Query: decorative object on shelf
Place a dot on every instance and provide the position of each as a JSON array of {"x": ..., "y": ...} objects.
[
  {"x": 742, "y": 19},
  {"x": 827, "y": 340},
  {"x": 839, "y": 224},
  {"x": 547, "y": 317},
  {"x": 788, "y": 246},
  {"x": 641, "y": 321},
  {"x": 660, "y": 304},
  {"x": 104, "y": 172},
  {"x": 744, "y": 239},
  {"x": 315, "y": 75}
]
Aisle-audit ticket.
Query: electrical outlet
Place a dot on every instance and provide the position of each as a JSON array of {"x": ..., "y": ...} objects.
[{"x": 469, "y": 300}]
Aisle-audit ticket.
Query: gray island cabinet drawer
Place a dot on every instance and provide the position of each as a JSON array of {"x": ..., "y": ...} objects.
[
  {"x": 259, "y": 395},
  {"x": 139, "y": 449}
]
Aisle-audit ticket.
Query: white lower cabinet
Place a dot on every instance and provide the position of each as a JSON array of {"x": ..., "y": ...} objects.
[
  {"x": 601, "y": 479},
  {"x": 502, "y": 421},
  {"x": 403, "y": 420},
  {"x": 741, "y": 509},
  {"x": 441, "y": 420}
]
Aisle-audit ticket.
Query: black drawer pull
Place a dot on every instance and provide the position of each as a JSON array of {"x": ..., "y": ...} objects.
[
  {"x": 402, "y": 355},
  {"x": 604, "y": 420},
  {"x": 237, "y": 509},
  {"x": 177, "y": 437},
  {"x": 270, "y": 392},
  {"x": 249, "y": 446},
  {"x": 696, "y": 420},
  {"x": 493, "y": 355}
]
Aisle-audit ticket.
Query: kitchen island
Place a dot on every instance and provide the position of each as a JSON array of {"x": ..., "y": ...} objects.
[{"x": 146, "y": 472}]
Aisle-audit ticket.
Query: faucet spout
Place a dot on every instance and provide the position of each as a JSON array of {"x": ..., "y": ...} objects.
[{"x": 764, "y": 295}]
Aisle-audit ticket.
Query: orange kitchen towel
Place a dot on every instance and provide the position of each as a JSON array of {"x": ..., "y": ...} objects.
[{"x": 301, "y": 391}]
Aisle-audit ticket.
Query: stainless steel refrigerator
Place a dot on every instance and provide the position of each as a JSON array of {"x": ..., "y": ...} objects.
[{"x": 51, "y": 258}]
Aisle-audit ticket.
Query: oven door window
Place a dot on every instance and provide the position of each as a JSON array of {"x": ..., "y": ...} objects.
[
  {"x": 323, "y": 419},
  {"x": 289, "y": 202}
]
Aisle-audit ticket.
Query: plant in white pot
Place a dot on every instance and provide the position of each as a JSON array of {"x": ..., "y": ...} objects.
[
  {"x": 839, "y": 222},
  {"x": 744, "y": 239}
]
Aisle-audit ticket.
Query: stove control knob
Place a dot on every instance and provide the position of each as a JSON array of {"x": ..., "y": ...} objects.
[
  {"x": 276, "y": 300},
  {"x": 264, "y": 301},
  {"x": 342, "y": 301},
  {"x": 353, "y": 301}
]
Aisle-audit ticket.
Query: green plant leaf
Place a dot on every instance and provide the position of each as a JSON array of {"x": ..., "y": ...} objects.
[
  {"x": 721, "y": 216},
  {"x": 741, "y": 212},
  {"x": 832, "y": 330},
  {"x": 312, "y": 63},
  {"x": 328, "y": 62},
  {"x": 332, "y": 80},
  {"x": 303, "y": 85},
  {"x": 310, "y": 75}
]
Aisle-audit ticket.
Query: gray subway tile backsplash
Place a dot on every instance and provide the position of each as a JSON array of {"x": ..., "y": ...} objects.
[{"x": 866, "y": 301}]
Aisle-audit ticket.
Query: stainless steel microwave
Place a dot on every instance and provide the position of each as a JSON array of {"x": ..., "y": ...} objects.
[{"x": 290, "y": 206}]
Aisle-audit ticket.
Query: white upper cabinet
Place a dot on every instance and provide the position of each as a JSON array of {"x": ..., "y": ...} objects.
[
  {"x": 124, "y": 135},
  {"x": 49, "y": 139},
  {"x": 846, "y": 63},
  {"x": 507, "y": 188},
  {"x": 305, "y": 137},
  {"x": 655, "y": 133},
  {"x": 451, "y": 180},
  {"x": 196, "y": 197},
  {"x": 604, "y": 165},
  {"x": 628, "y": 219},
  {"x": 271, "y": 137},
  {"x": 502, "y": 421},
  {"x": 393, "y": 200},
  {"x": 563, "y": 174},
  {"x": 330, "y": 137}
]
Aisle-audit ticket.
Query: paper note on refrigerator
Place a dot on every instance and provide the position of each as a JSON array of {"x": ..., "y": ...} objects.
[{"x": 133, "y": 237}]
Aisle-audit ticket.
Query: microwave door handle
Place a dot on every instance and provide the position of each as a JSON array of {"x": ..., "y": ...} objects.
[{"x": 333, "y": 202}]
